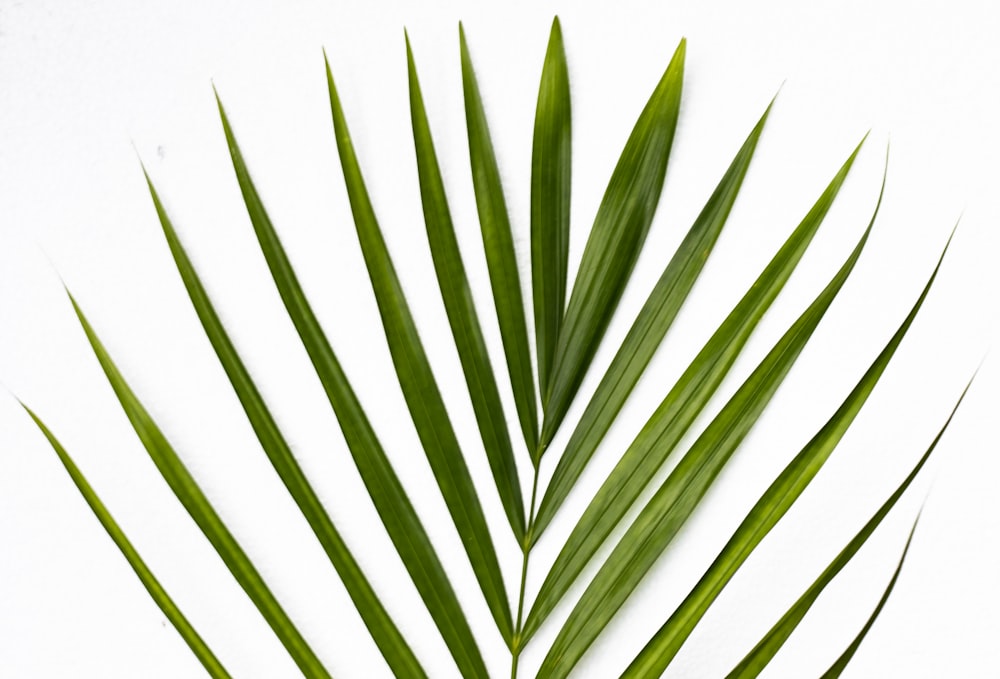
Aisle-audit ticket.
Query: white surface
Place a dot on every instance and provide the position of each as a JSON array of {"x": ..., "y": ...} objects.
[{"x": 82, "y": 82}]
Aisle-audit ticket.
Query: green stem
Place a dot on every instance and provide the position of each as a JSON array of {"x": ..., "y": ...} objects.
[{"x": 515, "y": 649}]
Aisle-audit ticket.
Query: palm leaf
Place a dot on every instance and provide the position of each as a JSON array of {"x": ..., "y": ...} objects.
[
  {"x": 681, "y": 493},
  {"x": 387, "y": 494},
  {"x": 462, "y": 317},
  {"x": 383, "y": 630},
  {"x": 550, "y": 201},
  {"x": 768, "y": 646},
  {"x": 500, "y": 260},
  {"x": 567, "y": 335},
  {"x": 617, "y": 236},
  {"x": 200, "y": 509},
  {"x": 419, "y": 386},
  {"x": 194, "y": 641},
  {"x": 646, "y": 333},
  {"x": 675, "y": 414},
  {"x": 773, "y": 504}
]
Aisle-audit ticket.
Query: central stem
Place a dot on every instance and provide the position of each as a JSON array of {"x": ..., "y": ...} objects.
[{"x": 526, "y": 552}]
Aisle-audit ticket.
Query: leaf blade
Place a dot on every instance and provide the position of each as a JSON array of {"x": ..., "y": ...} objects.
[
  {"x": 457, "y": 296},
  {"x": 551, "y": 168},
  {"x": 678, "y": 496},
  {"x": 768, "y": 646},
  {"x": 647, "y": 332},
  {"x": 187, "y": 491},
  {"x": 384, "y": 631},
  {"x": 683, "y": 403},
  {"x": 501, "y": 262},
  {"x": 841, "y": 662},
  {"x": 426, "y": 406},
  {"x": 772, "y": 505},
  {"x": 156, "y": 591},
  {"x": 619, "y": 230},
  {"x": 384, "y": 488}
]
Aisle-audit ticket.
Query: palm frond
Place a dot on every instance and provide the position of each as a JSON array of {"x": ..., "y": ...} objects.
[{"x": 568, "y": 330}]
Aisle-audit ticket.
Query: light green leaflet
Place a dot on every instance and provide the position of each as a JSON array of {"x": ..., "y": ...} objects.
[
  {"x": 678, "y": 410},
  {"x": 681, "y": 493},
  {"x": 197, "y": 505},
  {"x": 550, "y": 199},
  {"x": 776, "y": 500},
  {"x": 419, "y": 386},
  {"x": 149, "y": 581},
  {"x": 500, "y": 260},
  {"x": 383, "y": 630},
  {"x": 649, "y": 328},
  {"x": 465, "y": 328},
  {"x": 387, "y": 494},
  {"x": 617, "y": 236}
]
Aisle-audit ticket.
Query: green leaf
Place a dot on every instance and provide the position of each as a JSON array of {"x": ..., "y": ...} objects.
[
  {"x": 681, "y": 493},
  {"x": 619, "y": 230},
  {"x": 500, "y": 260},
  {"x": 198, "y": 507},
  {"x": 149, "y": 581},
  {"x": 387, "y": 494},
  {"x": 458, "y": 304},
  {"x": 550, "y": 201},
  {"x": 384, "y": 632},
  {"x": 766, "y": 648},
  {"x": 658, "y": 438},
  {"x": 773, "y": 504},
  {"x": 841, "y": 662},
  {"x": 647, "y": 331},
  {"x": 423, "y": 398}
]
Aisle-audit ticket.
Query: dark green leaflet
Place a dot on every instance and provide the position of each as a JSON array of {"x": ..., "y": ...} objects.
[
  {"x": 647, "y": 331},
  {"x": 617, "y": 236},
  {"x": 841, "y": 662},
  {"x": 387, "y": 494},
  {"x": 458, "y": 303},
  {"x": 678, "y": 410},
  {"x": 383, "y": 630},
  {"x": 684, "y": 488},
  {"x": 419, "y": 386},
  {"x": 550, "y": 201},
  {"x": 767, "y": 647},
  {"x": 149, "y": 581},
  {"x": 500, "y": 260},
  {"x": 773, "y": 504},
  {"x": 197, "y": 505}
]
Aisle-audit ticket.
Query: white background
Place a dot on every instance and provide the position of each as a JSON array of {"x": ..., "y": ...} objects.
[{"x": 86, "y": 87}]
